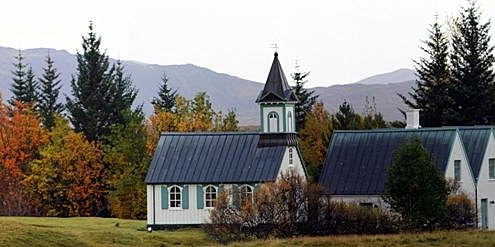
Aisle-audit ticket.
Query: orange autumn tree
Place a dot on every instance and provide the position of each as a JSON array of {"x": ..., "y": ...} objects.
[
  {"x": 69, "y": 176},
  {"x": 21, "y": 136}
]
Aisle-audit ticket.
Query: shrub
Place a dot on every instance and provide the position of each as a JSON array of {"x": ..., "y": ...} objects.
[
  {"x": 290, "y": 207},
  {"x": 461, "y": 212},
  {"x": 351, "y": 218}
]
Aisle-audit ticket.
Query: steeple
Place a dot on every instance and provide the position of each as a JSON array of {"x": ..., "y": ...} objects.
[
  {"x": 277, "y": 102},
  {"x": 276, "y": 88}
]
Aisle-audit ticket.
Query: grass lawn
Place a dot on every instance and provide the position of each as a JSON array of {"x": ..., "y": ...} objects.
[{"x": 31, "y": 231}]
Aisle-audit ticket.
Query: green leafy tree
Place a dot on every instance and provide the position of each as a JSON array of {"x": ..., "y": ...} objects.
[
  {"x": 431, "y": 94},
  {"x": 48, "y": 95},
  {"x": 415, "y": 188},
  {"x": 126, "y": 153},
  {"x": 202, "y": 112},
  {"x": 100, "y": 92},
  {"x": 305, "y": 96},
  {"x": 472, "y": 69},
  {"x": 166, "y": 97},
  {"x": 230, "y": 122},
  {"x": 346, "y": 118},
  {"x": 24, "y": 86}
]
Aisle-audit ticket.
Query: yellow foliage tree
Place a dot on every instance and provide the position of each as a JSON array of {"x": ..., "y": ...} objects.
[
  {"x": 314, "y": 139},
  {"x": 69, "y": 176}
]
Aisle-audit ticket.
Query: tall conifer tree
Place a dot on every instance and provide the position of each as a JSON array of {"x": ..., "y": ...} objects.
[
  {"x": 100, "y": 91},
  {"x": 24, "y": 85},
  {"x": 305, "y": 96},
  {"x": 472, "y": 69},
  {"x": 431, "y": 94},
  {"x": 49, "y": 91},
  {"x": 123, "y": 94},
  {"x": 166, "y": 97}
]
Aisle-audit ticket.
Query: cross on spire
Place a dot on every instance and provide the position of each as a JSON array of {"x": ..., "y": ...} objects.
[{"x": 275, "y": 46}]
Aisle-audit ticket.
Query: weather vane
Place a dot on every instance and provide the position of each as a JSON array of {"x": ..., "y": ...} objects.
[{"x": 275, "y": 46}]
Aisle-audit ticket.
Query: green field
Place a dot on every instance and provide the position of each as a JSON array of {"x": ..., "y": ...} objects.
[{"x": 30, "y": 231}]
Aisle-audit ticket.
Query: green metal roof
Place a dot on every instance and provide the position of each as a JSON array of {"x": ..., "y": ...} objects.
[
  {"x": 475, "y": 141},
  {"x": 357, "y": 161}
]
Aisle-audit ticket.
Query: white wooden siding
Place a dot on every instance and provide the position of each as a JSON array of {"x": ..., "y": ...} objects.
[
  {"x": 192, "y": 215},
  {"x": 375, "y": 199},
  {"x": 486, "y": 186},
  {"x": 296, "y": 163},
  {"x": 467, "y": 180}
]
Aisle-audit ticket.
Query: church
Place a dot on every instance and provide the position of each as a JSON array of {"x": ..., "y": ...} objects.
[{"x": 189, "y": 170}]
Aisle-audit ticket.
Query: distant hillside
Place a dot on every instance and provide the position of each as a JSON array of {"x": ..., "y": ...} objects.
[
  {"x": 386, "y": 99},
  {"x": 397, "y": 76},
  {"x": 226, "y": 91}
]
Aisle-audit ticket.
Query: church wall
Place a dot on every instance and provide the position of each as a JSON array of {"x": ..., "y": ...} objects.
[{"x": 296, "y": 165}]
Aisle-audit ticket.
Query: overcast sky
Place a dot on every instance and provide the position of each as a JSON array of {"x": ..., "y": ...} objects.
[{"x": 337, "y": 41}]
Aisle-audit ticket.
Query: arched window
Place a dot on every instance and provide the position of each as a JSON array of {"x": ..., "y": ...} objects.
[
  {"x": 289, "y": 122},
  {"x": 175, "y": 199},
  {"x": 210, "y": 196},
  {"x": 246, "y": 195},
  {"x": 291, "y": 160},
  {"x": 273, "y": 122}
]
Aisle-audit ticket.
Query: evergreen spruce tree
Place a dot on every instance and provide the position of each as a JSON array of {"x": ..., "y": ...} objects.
[
  {"x": 166, "y": 97},
  {"x": 346, "y": 118},
  {"x": 472, "y": 69},
  {"x": 305, "y": 96},
  {"x": 24, "y": 85},
  {"x": 49, "y": 91},
  {"x": 431, "y": 94},
  {"x": 99, "y": 91},
  {"x": 122, "y": 94}
]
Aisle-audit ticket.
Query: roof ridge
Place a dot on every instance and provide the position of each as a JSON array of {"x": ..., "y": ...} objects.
[
  {"x": 384, "y": 130},
  {"x": 208, "y": 133}
]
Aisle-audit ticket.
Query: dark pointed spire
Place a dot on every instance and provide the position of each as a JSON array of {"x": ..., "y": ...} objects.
[{"x": 276, "y": 88}]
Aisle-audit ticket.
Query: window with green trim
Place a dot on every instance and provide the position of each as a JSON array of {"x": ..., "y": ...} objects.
[
  {"x": 210, "y": 196},
  {"x": 491, "y": 168},
  {"x": 175, "y": 197},
  {"x": 289, "y": 122},
  {"x": 246, "y": 195},
  {"x": 273, "y": 122}
]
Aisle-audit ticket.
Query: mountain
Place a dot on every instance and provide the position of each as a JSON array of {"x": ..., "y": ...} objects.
[
  {"x": 226, "y": 91},
  {"x": 397, "y": 76},
  {"x": 385, "y": 96}
]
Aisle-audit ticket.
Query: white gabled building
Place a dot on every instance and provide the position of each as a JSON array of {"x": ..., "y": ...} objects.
[
  {"x": 189, "y": 170},
  {"x": 479, "y": 143},
  {"x": 356, "y": 163}
]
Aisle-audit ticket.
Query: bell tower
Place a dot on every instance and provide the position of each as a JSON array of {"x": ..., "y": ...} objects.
[{"x": 277, "y": 102}]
